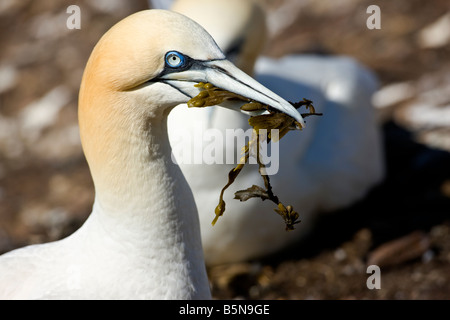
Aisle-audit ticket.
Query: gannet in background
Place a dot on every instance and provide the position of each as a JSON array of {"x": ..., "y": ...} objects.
[
  {"x": 329, "y": 166},
  {"x": 142, "y": 239}
]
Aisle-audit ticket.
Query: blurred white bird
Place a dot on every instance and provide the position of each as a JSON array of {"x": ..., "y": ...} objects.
[{"x": 330, "y": 165}]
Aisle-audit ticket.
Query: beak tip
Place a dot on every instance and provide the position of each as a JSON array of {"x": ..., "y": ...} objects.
[{"x": 291, "y": 111}]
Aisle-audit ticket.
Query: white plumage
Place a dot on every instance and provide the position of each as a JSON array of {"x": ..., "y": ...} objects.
[
  {"x": 328, "y": 166},
  {"x": 142, "y": 239}
]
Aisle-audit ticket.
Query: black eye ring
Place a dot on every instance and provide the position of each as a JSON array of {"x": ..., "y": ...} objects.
[{"x": 175, "y": 59}]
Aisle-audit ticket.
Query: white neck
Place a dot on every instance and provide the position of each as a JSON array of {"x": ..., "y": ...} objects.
[{"x": 144, "y": 210}]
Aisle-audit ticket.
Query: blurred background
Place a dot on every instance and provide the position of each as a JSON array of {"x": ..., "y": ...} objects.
[{"x": 403, "y": 225}]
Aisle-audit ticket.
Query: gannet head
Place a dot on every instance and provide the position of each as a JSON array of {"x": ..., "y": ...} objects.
[
  {"x": 238, "y": 27},
  {"x": 156, "y": 57}
]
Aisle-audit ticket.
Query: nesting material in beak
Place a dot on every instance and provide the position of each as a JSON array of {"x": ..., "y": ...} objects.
[{"x": 261, "y": 117}]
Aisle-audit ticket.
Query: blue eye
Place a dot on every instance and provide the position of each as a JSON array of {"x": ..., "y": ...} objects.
[{"x": 174, "y": 59}]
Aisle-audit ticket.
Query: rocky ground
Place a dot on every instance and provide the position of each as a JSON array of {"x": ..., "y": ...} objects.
[{"x": 403, "y": 225}]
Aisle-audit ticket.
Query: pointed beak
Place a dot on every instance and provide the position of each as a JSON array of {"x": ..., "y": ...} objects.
[{"x": 224, "y": 75}]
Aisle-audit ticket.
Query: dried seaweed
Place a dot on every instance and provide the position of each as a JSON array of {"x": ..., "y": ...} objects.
[
  {"x": 212, "y": 96},
  {"x": 209, "y": 96}
]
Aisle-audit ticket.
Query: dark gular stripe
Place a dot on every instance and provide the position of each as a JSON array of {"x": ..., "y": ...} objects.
[{"x": 175, "y": 87}]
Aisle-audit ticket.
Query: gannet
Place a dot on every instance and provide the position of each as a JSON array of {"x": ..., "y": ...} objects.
[
  {"x": 327, "y": 167},
  {"x": 142, "y": 239}
]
